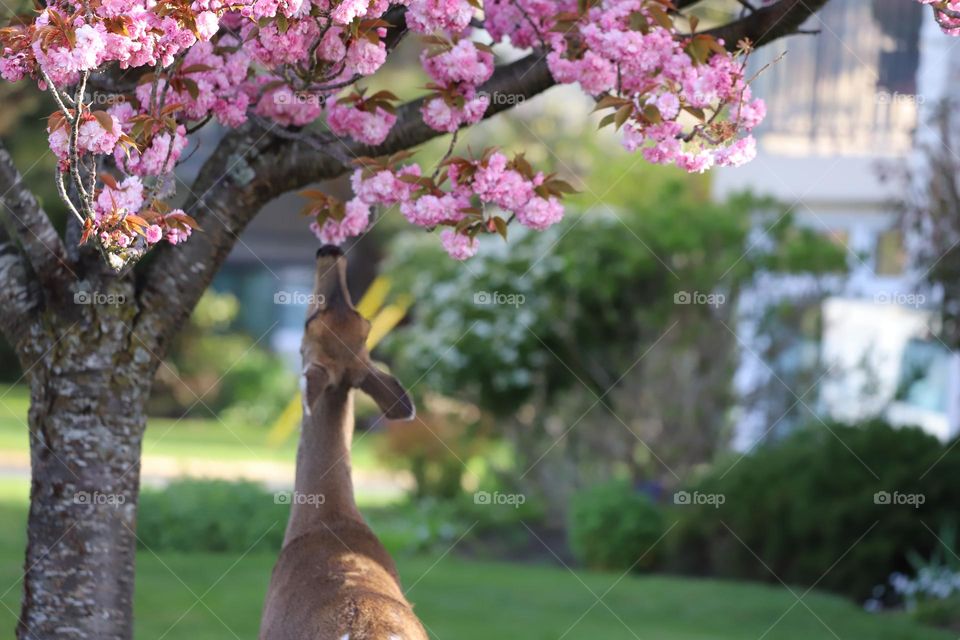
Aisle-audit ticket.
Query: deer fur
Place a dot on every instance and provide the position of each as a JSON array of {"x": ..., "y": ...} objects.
[{"x": 333, "y": 579}]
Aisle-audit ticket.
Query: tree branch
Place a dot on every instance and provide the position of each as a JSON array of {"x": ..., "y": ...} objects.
[
  {"x": 302, "y": 163},
  {"x": 767, "y": 24},
  {"x": 251, "y": 166},
  {"x": 40, "y": 241}
]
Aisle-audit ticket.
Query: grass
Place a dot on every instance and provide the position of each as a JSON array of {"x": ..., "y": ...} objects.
[
  {"x": 219, "y": 597},
  {"x": 190, "y": 438}
]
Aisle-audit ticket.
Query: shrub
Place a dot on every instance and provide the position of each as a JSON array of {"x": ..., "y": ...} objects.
[
  {"x": 614, "y": 526},
  {"x": 436, "y": 446},
  {"x": 939, "y": 613},
  {"x": 223, "y": 516},
  {"x": 211, "y": 515},
  {"x": 811, "y": 508}
]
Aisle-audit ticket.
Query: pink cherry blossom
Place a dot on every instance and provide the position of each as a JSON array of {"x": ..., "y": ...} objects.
[
  {"x": 501, "y": 186},
  {"x": 463, "y": 63},
  {"x": 14, "y": 67},
  {"x": 288, "y": 107},
  {"x": 355, "y": 221},
  {"x": 431, "y": 210},
  {"x": 153, "y": 234},
  {"x": 331, "y": 46},
  {"x": 364, "y": 57},
  {"x": 384, "y": 187},
  {"x": 443, "y": 117},
  {"x": 457, "y": 245},
  {"x": 62, "y": 62},
  {"x": 427, "y": 16},
  {"x": 92, "y": 138},
  {"x": 176, "y": 233},
  {"x": 346, "y": 10},
  {"x": 207, "y": 24},
  {"x": 539, "y": 213},
  {"x": 157, "y": 159},
  {"x": 740, "y": 152},
  {"x": 128, "y": 197},
  {"x": 361, "y": 125}
]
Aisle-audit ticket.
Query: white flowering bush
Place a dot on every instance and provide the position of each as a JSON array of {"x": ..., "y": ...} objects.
[
  {"x": 937, "y": 582},
  {"x": 626, "y": 306},
  {"x": 551, "y": 309}
]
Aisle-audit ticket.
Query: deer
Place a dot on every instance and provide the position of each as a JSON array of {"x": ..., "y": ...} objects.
[{"x": 333, "y": 579}]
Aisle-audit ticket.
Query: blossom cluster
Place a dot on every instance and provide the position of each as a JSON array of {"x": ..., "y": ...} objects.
[
  {"x": 932, "y": 582},
  {"x": 457, "y": 69},
  {"x": 469, "y": 197},
  {"x": 678, "y": 96},
  {"x": 126, "y": 225},
  {"x": 367, "y": 119},
  {"x": 279, "y": 59},
  {"x": 680, "y": 99}
]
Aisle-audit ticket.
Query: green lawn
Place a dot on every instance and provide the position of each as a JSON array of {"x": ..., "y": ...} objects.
[
  {"x": 209, "y": 439},
  {"x": 218, "y": 597}
]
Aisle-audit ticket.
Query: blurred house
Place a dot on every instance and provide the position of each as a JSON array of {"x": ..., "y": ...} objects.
[{"x": 840, "y": 105}]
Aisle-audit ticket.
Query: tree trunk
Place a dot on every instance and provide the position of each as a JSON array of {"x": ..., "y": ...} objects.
[{"x": 88, "y": 392}]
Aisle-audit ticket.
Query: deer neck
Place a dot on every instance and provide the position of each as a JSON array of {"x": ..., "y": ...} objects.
[{"x": 323, "y": 488}]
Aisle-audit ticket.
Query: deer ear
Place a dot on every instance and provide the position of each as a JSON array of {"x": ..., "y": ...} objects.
[
  {"x": 314, "y": 380},
  {"x": 389, "y": 395}
]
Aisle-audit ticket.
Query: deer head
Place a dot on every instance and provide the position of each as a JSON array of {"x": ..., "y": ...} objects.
[{"x": 334, "y": 347}]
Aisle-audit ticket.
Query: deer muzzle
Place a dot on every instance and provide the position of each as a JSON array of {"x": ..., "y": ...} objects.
[{"x": 330, "y": 285}]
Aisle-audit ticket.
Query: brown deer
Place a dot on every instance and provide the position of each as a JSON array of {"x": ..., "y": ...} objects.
[{"x": 333, "y": 579}]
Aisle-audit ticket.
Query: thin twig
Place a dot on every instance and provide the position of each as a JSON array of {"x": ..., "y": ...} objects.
[
  {"x": 446, "y": 156},
  {"x": 62, "y": 192},
  {"x": 74, "y": 141}
]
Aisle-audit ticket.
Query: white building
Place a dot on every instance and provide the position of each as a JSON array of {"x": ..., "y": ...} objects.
[{"x": 841, "y": 104}]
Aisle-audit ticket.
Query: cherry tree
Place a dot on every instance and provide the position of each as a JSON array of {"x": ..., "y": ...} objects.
[{"x": 287, "y": 79}]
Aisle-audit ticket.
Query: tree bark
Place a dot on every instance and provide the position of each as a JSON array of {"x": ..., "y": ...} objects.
[{"x": 89, "y": 383}]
